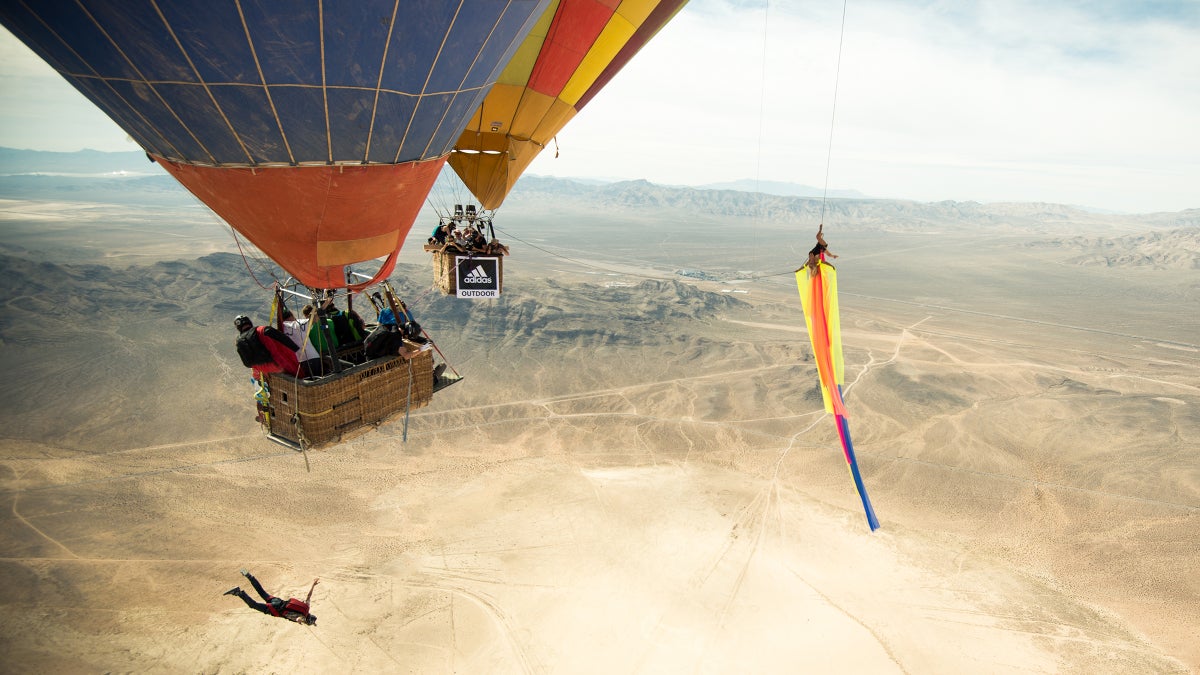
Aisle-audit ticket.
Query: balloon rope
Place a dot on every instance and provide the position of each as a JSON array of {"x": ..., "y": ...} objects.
[
  {"x": 755, "y": 225},
  {"x": 246, "y": 262},
  {"x": 661, "y": 277},
  {"x": 833, "y": 116}
]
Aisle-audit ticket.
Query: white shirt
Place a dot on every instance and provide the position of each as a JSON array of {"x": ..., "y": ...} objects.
[{"x": 297, "y": 330}]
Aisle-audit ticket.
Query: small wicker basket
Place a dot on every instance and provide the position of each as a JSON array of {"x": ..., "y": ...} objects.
[{"x": 445, "y": 276}]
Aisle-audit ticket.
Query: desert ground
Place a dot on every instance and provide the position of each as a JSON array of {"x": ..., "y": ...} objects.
[{"x": 636, "y": 474}]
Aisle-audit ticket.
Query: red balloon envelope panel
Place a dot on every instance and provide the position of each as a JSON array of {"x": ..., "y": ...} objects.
[{"x": 314, "y": 128}]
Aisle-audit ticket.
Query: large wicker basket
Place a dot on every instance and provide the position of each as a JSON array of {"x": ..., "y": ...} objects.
[{"x": 315, "y": 413}]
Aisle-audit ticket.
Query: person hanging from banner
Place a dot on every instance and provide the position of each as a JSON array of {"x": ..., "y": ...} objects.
[
  {"x": 816, "y": 281},
  {"x": 819, "y": 251}
]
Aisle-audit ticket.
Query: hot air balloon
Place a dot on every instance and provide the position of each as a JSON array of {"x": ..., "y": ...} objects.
[
  {"x": 575, "y": 49},
  {"x": 314, "y": 128}
]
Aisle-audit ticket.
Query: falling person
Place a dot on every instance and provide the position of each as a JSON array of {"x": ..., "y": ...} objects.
[{"x": 290, "y": 609}]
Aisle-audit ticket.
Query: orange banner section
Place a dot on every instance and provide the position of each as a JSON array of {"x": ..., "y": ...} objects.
[{"x": 313, "y": 220}]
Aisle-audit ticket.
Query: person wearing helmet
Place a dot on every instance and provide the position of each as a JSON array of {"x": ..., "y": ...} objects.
[
  {"x": 263, "y": 349},
  {"x": 386, "y": 339}
]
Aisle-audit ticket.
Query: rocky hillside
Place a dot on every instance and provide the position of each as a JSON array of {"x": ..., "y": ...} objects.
[{"x": 1170, "y": 249}]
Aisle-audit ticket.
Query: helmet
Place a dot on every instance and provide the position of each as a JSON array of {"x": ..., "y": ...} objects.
[{"x": 243, "y": 323}]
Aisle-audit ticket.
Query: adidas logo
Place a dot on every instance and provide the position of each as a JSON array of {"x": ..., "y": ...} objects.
[{"x": 477, "y": 276}]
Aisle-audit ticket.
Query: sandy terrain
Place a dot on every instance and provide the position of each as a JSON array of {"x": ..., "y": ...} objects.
[{"x": 614, "y": 495}]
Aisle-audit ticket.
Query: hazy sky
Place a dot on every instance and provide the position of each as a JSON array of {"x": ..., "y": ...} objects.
[{"x": 1088, "y": 103}]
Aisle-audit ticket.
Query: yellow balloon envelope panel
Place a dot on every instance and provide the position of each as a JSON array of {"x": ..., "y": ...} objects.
[{"x": 575, "y": 48}]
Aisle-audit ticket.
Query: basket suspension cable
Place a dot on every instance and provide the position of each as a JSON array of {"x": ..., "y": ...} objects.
[
  {"x": 390, "y": 294},
  {"x": 237, "y": 242},
  {"x": 583, "y": 263},
  {"x": 303, "y": 346},
  {"x": 833, "y": 114},
  {"x": 390, "y": 297},
  {"x": 408, "y": 402},
  {"x": 326, "y": 333},
  {"x": 259, "y": 260},
  {"x": 439, "y": 352},
  {"x": 349, "y": 295},
  {"x": 762, "y": 95}
]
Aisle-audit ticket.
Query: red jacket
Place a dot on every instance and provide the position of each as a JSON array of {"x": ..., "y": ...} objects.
[{"x": 283, "y": 356}]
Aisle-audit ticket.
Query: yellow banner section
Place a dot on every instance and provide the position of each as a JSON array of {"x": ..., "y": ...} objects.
[{"x": 818, "y": 296}]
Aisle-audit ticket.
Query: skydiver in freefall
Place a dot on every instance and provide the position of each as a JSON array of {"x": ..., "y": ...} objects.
[{"x": 290, "y": 609}]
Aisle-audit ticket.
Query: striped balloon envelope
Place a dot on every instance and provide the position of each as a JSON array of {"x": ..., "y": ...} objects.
[
  {"x": 574, "y": 50},
  {"x": 315, "y": 128}
]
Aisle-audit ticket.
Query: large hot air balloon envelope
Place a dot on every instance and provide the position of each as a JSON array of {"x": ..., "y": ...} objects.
[
  {"x": 574, "y": 50},
  {"x": 313, "y": 127}
]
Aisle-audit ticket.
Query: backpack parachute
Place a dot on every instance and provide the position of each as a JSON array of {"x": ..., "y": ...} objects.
[
  {"x": 294, "y": 605},
  {"x": 281, "y": 608},
  {"x": 252, "y": 350}
]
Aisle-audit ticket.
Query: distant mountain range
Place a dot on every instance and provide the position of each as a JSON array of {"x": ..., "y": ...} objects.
[
  {"x": 725, "y": 198},
  {"x": 782, "y": 189},
  {"x": 863, "y": 213},
  {"x": 82, "y": 163},
  {"x": 89, "y": 175}
]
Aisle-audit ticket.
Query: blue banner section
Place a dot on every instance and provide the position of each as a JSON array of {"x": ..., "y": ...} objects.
[
  {"x": 280, "y": 81},
  {"x": 848, "y": 447}
]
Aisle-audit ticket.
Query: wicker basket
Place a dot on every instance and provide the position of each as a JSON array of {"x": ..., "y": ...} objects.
[
  {"x": 444, "y": 274},
  {"x": 316, "y": 413}
]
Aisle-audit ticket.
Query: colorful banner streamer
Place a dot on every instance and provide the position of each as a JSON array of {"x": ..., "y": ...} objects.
[{"x": 818, "y": 295}]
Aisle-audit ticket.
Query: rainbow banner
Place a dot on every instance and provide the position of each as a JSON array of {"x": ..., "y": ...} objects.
[{"x": 818, "y": 295}]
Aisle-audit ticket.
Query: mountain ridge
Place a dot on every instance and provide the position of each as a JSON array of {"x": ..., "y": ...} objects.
[{"x": 771, "y": 199}]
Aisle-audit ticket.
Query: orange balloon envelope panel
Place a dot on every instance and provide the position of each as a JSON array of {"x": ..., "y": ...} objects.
[
  {"x": 315, "y": 128},
  {"x": 574, "y": 50}
]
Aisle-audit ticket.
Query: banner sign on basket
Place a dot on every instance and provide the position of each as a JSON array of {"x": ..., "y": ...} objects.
[{"x": 478, "y": 277}]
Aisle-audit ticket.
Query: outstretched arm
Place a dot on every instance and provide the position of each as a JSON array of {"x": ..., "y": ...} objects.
[{"x": 310, "y": 590}]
